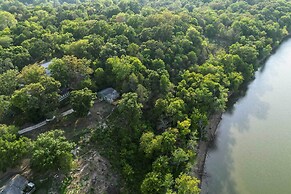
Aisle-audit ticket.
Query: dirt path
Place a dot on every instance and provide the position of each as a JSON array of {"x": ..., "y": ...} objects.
[
  {"x": 91, "y": 172},
  {"x": 93, "y": 175},
  {"x": 204, "y": 144}
]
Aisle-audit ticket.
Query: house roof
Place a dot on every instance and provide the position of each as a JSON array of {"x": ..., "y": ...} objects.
[
  {"x": 109, "y": 94},
  {"x": 45, "y": 65},
  {"x": 107, "y": 91},
  {"x": 11, "y": 190},
  {"x": 15, "y": 185}
]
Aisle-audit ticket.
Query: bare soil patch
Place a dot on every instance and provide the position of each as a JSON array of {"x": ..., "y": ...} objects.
[{"x": 91, "y": 172}]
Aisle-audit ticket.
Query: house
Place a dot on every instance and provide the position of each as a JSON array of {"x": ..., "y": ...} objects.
[
  {"x": 18, "y": 185},
  {"x": 45, "y": 65},
  {"x": 109, "y": 95}
]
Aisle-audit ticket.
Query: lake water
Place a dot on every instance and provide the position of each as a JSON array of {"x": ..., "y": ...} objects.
[{"x": 252, "y": 150}]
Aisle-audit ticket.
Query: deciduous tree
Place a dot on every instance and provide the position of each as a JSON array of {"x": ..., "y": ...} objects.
[
  {"x": 12, "y": 147},
  {"x": 82, "y": 101},
  {"x": 52, "y": 151}
]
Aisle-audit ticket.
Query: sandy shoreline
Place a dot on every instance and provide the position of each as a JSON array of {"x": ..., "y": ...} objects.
[{"x": 204, "y": 145}]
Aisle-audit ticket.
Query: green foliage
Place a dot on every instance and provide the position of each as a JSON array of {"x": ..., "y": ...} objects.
[
  {"x": 12, "y": 147},
  {"x": 35, "y": 100},
  {"x": 180, "y": 157},
  {"x": 149, "y": 143},
  {"x": 37, "y": 48},
  {"x": 201, "y": 91},
  {"x": 158, "y": 144},
  {"x": 172, "y": 109},
  {"x": 127, "y": 72},
  {"x": 152, "y": 183},
  {"x": 14, "y": 57},
  {"x": 162, "y": 165},
  {"x": 130, "y": 109},
  {"x": 5, "y": 41},
  {"x": 184, "y": 127},
  {"x": 176, "y": 63},
  {"x": 9, "y": 82},
  {"x": 51, "y": 151},
  {"x": 78, "y": 48},
  {"x": 156, "y": 182},
  {"x": 7, "y": 20},
  {"x": 186, "y": 184},
  {"x": 82, "y": 101},
  {"x": 31, "y": 74},
  {"x": 4, "y": 107},
  {"x": 70, "y": 71}
]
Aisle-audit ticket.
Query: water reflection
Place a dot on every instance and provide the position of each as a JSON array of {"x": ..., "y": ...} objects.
[
  {"x": 244, "y": 156},
  {"x": 223, "y": 183},
  {"x": 239, "y": 117}
]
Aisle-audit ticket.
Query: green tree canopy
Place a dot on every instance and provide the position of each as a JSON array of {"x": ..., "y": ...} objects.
[
  {"x": 9, "y": 82},
  {"x": 186, "y": 184},
  {"x": 36, "y": 100},
  {"x": 12, "y": 147},
  {"x": 71, "y": 71},
  {"x": 52, "y": 151},
  {"x": 7, "y": 20},
  {"x": 31, "y": 74},
  {"x": 130, "y": 109},
  {"x": 82, "y": 101}
]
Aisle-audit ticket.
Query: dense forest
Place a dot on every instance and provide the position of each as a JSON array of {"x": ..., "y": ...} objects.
[{"x": 175, "y": 63}]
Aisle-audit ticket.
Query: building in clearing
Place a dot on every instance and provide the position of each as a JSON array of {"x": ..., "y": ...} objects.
[
  {"x": 18, "y": 185},
  {"x": 45, "y": 65},
  {"x": 109, "y": 95}
]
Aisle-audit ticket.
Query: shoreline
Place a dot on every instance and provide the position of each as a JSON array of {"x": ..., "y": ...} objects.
[
  {"x": 203, "y": 145},
  {"x": 212, "y": 127}
]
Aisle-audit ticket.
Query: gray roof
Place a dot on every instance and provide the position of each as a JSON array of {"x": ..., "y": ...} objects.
[
  {"x": 109, "y": 94},
  {"x": 11, "y": 190},
  {"x": 107, "y": 91},
  {"x": 15, "y": 185},
  {"x": 45, "y": 65}
]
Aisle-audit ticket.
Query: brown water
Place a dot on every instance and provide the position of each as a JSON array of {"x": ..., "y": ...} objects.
[{"x": 252, "y": 150}]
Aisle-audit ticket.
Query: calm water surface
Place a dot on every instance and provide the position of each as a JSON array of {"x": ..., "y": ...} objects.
[{"x": 252, "y": 152}]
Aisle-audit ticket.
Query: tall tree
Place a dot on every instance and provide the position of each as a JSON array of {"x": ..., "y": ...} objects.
[
  {"x": 71, "y": 71},
  {"x": 37, "y": 99},
  {"x": 52, "y": 151},
  {"x": 130, "y": 109},
  {"x": 12, "y": 147},
  {"x": 186, "y": 184},
  {"x": 82, "y": 101},
  {"x": 9, "y": 82},
  {"x": 31, "y": 74}
]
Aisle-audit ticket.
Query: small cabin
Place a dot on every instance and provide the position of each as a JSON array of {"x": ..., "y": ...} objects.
[
  {"x": 18, "y": 185},
  {"x": 109, "y": 95}
]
